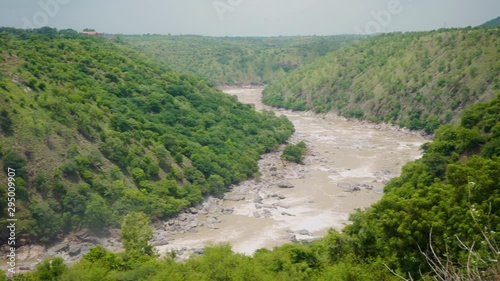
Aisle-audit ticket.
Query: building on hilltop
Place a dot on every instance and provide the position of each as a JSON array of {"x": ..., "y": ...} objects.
[{"x": 91, "y": 32}]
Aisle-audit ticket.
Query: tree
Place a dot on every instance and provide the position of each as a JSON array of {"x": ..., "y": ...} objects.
[
  {"x": 51, "y": 269},
  {"x": 216, "y": 184},
  {"x": 15, "y": 161},
  {"x": 294, "y": 152},
  {"x": 6, "y": 122},
  {"x": 46, "y": 224},
  {"x": 99, "y": 255},
  {"x": 138, "y": 174},
  {"x": 136, "y": 233},
  {"x": 97, "y": 213}
]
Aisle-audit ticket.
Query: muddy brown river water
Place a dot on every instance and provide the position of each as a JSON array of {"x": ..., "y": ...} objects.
[{"x": 346, "y": 167}]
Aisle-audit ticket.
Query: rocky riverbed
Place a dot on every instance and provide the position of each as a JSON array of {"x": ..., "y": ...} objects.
[{"x": 346, "y": 166}]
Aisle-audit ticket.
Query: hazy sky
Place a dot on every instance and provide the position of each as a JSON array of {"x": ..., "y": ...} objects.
[{"x": 247, "y": 17}]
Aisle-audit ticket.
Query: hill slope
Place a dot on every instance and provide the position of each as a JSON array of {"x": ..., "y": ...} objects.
[
  {"x": 492, "y": 23},
  {"x": 417, "y": 80},
  {"x": 95, "y": 130},
  {"x": 238, "y": 60}
]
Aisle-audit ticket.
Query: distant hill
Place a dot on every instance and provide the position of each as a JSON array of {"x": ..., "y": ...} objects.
[
  {"x": 492, "y": 23},
  {"x": 95, "y": 130},
  {"x": 416, "y": 80},
  {"x": 238, "y": 60}
]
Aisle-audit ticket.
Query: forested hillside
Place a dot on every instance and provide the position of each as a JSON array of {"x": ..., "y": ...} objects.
[
  {"x": 95, "y": 130},
  {"x": 492, "y": 23},
  {"x": 416, "y": 80},
  {"x": 238, "y": 60},
  {"x": 440, "y": 220}
]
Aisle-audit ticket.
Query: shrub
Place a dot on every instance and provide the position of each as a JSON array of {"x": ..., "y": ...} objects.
[
  {"x": 6, "y": 123},
  {"x": 51, "y": 269},
  {"x": 32, "y": 82},
  {"x": 14, "y": 161},
  {"x": 294, "y": 152},
  {"x": 136, "y": 233}
]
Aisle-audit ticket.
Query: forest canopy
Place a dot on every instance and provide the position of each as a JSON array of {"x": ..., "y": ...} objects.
[
  {"x": 96, "y": 130},
  {"x": 416, "y": 80}
]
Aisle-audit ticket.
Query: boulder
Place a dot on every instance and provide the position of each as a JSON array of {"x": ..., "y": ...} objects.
[
  {"x": 199, "y": 251},
  {"x": 256, "y": 214},
  {"x": 82, "y": 233},
  {"x": 60, "y": 248},
  {"x": 284, "y": 185},
  {"x": 258, "y": 199},
  {"x": 267, "y": 213},
  {"x": 345, "y": 185},
  {"x": 235, "y": 198},
  {"x": 92, "y": 239},
  {"x": 27, "y": 267},
  {"x": 160, "y": 242},
  {"x": 283, "y": 205},
  {"x": 74, "y": 250},
  {"x": 214, "y": 209},
  {"x": 304, "y": 232},
  {"x": 268, "y": 206}
]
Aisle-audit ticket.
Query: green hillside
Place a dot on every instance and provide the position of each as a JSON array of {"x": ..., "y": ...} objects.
[
  {"x": 238, "y": 60},
  {"x": 95, "y": 130},
  {"x": 440, "y": 220},
  {"x": 492, "y": 23},
  {"x": 417, "y": 80}
]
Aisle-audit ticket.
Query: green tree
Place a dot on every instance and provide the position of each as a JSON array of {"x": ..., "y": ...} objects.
[
  {"x": 216, "y": 184},
  {"x": 51, "y": 269},
  {"x": 294, "y": 152},
  {"x": 97, "y": 213},
  {"x": 136, "y": 233},
  {"x": 47, "y": 224},
  {"x": 6, "y": 122},
  {"x": 138, "y": 174},
  {"x": 14, "y": 161},
  {"x": 99, "y": 255}
]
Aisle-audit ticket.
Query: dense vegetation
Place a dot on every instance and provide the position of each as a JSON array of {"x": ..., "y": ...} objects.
[
  {"x": 238, "y": 60},
  {"x": 416, "y": 80},
  {"x": 492, "y": 23},
  {"x": 96, "y": 130},
  {"x": 294, "y": 152},
  {"x": 445, "y": 206}
]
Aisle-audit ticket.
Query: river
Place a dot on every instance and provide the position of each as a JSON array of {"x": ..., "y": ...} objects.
[{"x": 346, "y": 167}]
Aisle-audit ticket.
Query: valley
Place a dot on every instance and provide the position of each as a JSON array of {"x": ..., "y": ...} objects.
[
  {"x": 130, "y": 166},
  {"x": 346, "y": 167}
]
